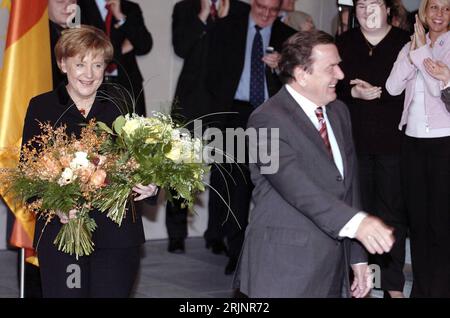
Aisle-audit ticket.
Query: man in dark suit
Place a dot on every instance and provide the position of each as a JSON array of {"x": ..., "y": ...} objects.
[
  {"x": 58, "y": 13},
  {"x": 122, "y": 20},
  {"x": 241, "y": 75},
  {"x": 300, "y": 241},
  {"x": 193, "y": 21}
]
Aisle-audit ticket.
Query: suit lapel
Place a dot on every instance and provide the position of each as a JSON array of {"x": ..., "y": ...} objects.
[{"x": 302, "y": 121}]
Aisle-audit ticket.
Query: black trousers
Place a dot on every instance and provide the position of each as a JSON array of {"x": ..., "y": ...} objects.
[
  {"x": 176, "y": 220},
  {"x": 381, "y": 195},
  {"x": 233, "y": 185},
  {"x": 426, "y": 175},
  {"x": 106, "y": 273}
]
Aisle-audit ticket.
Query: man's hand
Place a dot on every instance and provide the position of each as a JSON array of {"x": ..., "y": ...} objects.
[
  {"x": 116, "y": 9},
  {"x": 364, "y": 90},
  {"x": 272, "y": 59},
  {"x": 438, "y": 70},
  {"x": 376, "y": 236},
  {"x": 224, "y": 8},
  {"x": 205, "y": 9},
  {"x": 362, "y": 283},
  {"x": 145, "y": 191},
  {"x": 64, "y": 219},
  {"x": 127, "y": 46}
]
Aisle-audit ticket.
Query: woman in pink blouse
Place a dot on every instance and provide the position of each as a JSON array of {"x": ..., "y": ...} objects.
[{"x": 426, "y": 149}]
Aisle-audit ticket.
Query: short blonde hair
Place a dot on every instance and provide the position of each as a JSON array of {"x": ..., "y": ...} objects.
[
  {"x": 74, "y": 41},
  {"x": 423, "y": 8}
]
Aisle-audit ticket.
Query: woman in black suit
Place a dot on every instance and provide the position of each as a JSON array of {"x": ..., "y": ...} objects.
[{"x": 83, "y": 53}]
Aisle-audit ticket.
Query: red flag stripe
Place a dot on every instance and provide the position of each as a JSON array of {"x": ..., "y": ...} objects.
[{"x": 22, "y": 18}]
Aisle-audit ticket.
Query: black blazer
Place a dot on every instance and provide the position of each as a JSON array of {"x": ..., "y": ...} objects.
[
  {"x": 57, "y": 108},
  {"x": 191, "y": 40},
  {"x": 133, "y": 29},
  {"x": 227, "y": 58}
]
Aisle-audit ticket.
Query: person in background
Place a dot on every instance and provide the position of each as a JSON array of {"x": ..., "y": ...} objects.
[
  {"x": 124, "y": 24},
  {"x": 368, "y": 53},
  {"x": 242, "y": 74},
  {"x": 59, "y": 12},
  {"x": 425, "y": 156},
  {"x": 193, "y": 21},
  {"x": 298, "y": 20},
  {"x": 400, "y": 16}
]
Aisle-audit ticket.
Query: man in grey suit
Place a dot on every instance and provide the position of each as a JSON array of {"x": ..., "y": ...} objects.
[{"x": 306, "y": 231}]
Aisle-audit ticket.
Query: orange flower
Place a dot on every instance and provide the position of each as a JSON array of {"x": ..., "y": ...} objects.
[
  {"x": 98, "y": 178},
  {"x": 85, "y": 173},
  {"x": 51, "y": 166},
  {"x": 65, "y": 160}
]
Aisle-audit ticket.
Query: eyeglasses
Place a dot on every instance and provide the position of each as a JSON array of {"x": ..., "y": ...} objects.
[{"x": 271, "y": 10}]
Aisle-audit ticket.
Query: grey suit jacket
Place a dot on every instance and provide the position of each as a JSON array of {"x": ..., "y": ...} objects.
[
  {"x": 445, "y": 96},
  {"x": 292, "y": 247}
]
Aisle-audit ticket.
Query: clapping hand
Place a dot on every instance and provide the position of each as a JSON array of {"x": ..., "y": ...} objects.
[
  {"x": 224, "y": 8},
  {"x": 144, "y": 192},
  {"x": 364, "y": 90},
  {"x": 438, "y": 70},
  {"x": 419, "y": 34},
  {"x": 116, "y": 9}
]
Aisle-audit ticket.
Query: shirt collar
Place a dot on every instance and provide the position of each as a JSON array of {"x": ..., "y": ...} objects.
[{"x": 307, "y": 105}]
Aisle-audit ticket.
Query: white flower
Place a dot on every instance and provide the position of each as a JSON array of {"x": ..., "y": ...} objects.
[
  {"x": 80, "y": 160},
  {"x": 66, "y": 177}
]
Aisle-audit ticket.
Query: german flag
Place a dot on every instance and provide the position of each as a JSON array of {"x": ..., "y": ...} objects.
[{"x": 26, "y": 73}]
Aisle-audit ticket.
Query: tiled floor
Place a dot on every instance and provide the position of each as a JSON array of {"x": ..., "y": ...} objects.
[{"x": 198, "y": 273}]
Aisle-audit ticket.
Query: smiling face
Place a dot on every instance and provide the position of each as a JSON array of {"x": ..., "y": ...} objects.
[
  {"x": 319, "y": 85},
  {"x": 264, "y": 12},
  {"x": 437, "y": 15},
  {"x": 84, "y": 74}
]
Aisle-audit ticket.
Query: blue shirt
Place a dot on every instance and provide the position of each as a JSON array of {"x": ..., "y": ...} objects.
[{"x": 243, "y": 90}]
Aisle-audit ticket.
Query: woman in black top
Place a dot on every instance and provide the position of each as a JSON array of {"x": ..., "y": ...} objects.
[
  {"x": 367, "y": 54},
  {"x": 110, "y": 271}
]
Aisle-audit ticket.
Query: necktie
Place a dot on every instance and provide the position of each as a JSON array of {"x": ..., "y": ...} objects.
[
  {"x": 323, "y": 129},
  {"x": 213, "y": 10},
  {"x": 257, "y": 70},
  {"x": 108, "y": 22}
]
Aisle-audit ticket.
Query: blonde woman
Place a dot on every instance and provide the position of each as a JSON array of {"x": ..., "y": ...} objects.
[{"x": 426, "y": 149}]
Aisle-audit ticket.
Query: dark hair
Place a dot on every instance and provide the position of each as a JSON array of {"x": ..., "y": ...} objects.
[
  {"x": 297, "y": 51},
  {"x": 388, "y": 3}
]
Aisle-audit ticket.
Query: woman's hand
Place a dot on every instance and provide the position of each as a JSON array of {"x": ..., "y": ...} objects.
[
  {"x": 64, "y": 219},
  {"x": 364, "y": 90},
  {"x": 419, "y": 33},
  {"x": 438, "y": 70},
  {"x": 145, "y": 191}
]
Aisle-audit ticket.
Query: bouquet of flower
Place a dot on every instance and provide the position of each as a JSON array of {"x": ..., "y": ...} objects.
[
  {"x": 58, "y": 173},
  {"x": 158, "y": 152}
]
